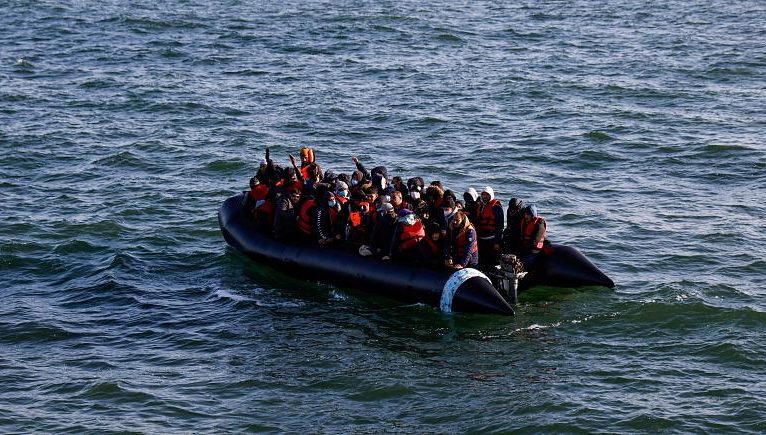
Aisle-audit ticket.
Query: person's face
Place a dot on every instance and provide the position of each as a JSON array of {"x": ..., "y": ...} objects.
[
  {"x": 456, "y": 222},
  {"x": 295, "y": 197},
  {"x": 396, "y": 198},
  {"x": 484, "y": 197},
  {"x": 371, "y": 197}
]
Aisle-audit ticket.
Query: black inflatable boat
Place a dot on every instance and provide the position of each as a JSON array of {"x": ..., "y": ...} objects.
[{"x": 466, "y": 290}]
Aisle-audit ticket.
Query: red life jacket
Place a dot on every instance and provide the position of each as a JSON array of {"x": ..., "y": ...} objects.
[
  {"x": 528, "y": 229},
  {"x": 304, "y": 217},
  {"x": 486, "y": 224},
  {"x": 259, "y": 192},
  {"x": 266, "y": 210},
  {"x": 411, "y": 235},
  {"x": 341, "y": 199},
  {"x": 305, "y": 172},
  {"x": 461, "y": 243}
]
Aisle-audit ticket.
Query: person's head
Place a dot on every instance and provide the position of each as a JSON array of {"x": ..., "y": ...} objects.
[
  {"x": 457, "y": 220},
  {"x": 307, "y": 156},
  {"x": 438, "y": 184},
  {"x": 330, "y": 198},
  {"x": 329, "y": 176},
  {"x": 514, "y": 206},
  {"x": 470, "y": 196},
  {"x": 530, "y": 212},
  {"x": 341, "y": 189},
  {"x": 371, "y": 194},
  {"x": 435, "y": 232},
  {"x": 433, "y": 194},
  {"x": 263, "y": 164},
  {"x": 449, "y": 203},
  {"x": 415, "y": 186},
  {"x": 254, "y": 182},
  {"x": 487, "y": 195},
  {"x": 387, "y": 209},
  {"x": 314, "y": 171},
  {"x": 356, "y": 177},
  {"x": 290, "y": 175},
  {"x": 397, "y": 181},
  {"x": 295, "y": 196},
  {"x": 396, "y": 198}
]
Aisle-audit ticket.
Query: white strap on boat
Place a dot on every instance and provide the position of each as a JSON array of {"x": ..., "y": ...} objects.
[{"x": 453, "y": 283}]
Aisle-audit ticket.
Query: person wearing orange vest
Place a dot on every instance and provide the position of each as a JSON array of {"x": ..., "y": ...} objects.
[
  {"x": 533, "y": 229},
  {"x": 407, "y": 242},
  {"x": 489, "y": 222},
  {"x": 460, "y": 245},
  {"x": 256, "y": 195}
]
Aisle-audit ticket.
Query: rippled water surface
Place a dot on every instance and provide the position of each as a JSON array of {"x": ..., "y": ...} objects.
[{"x": 636, "y": 127}]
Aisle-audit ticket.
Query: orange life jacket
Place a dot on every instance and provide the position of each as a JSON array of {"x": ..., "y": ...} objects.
[
  {"x": 304, "y": 217},
  {"x": 486, "y": 224},
  {"x": 461, "y": 243},
  {"x": 528, "y": 229},
  {"x": 411, "y": 235}
]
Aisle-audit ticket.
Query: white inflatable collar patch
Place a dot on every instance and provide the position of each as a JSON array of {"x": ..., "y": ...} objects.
[{"x": 453, "y": 283}]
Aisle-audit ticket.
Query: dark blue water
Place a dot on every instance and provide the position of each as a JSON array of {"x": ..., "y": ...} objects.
[{"x": 637, "y": 129}]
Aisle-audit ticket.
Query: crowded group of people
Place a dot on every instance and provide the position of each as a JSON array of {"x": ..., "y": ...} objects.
[{"x": 374, "y": 215}]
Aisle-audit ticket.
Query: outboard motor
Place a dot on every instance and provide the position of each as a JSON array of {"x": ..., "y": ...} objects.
[{"x": 509, "y": 272}]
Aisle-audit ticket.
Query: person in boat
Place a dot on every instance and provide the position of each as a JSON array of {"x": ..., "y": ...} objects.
[
  {"x": 408, "y": 242},
  {"x": 379, "y": 178},
  {"x": 490, "y": 222},
  {"x": 261, "y": 173},
  {"x": 341, "y": 191},
  {"x": 398, "y": 202},
  {"x": 358, "y": 223},
  {"x": 398, "y": 185},
  {"x": 256, "y": 196},
  {"x": 434, "y": 244},
  {"x": 268, "y": 172},
  {"x": 461, "y": 249},
  {"x": 307, "y": 158},
  {"x": 415, "y": 188},
  {"x": 314, "y": 177},
  {"x": 512, "y": 233},
  {"x": 327, "y": 224},
  {"x": 383, "y": 231},
  {"x": 533, "y": 230},
  {"x": 290, "y": 181},
  {"x": 307, "y": 215},
  {"x": 448, "y": 208},
  {"x": 470, "y": 197},
  {"x": 286, "y": 217},
  {"x": 433, "y": 197}
]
